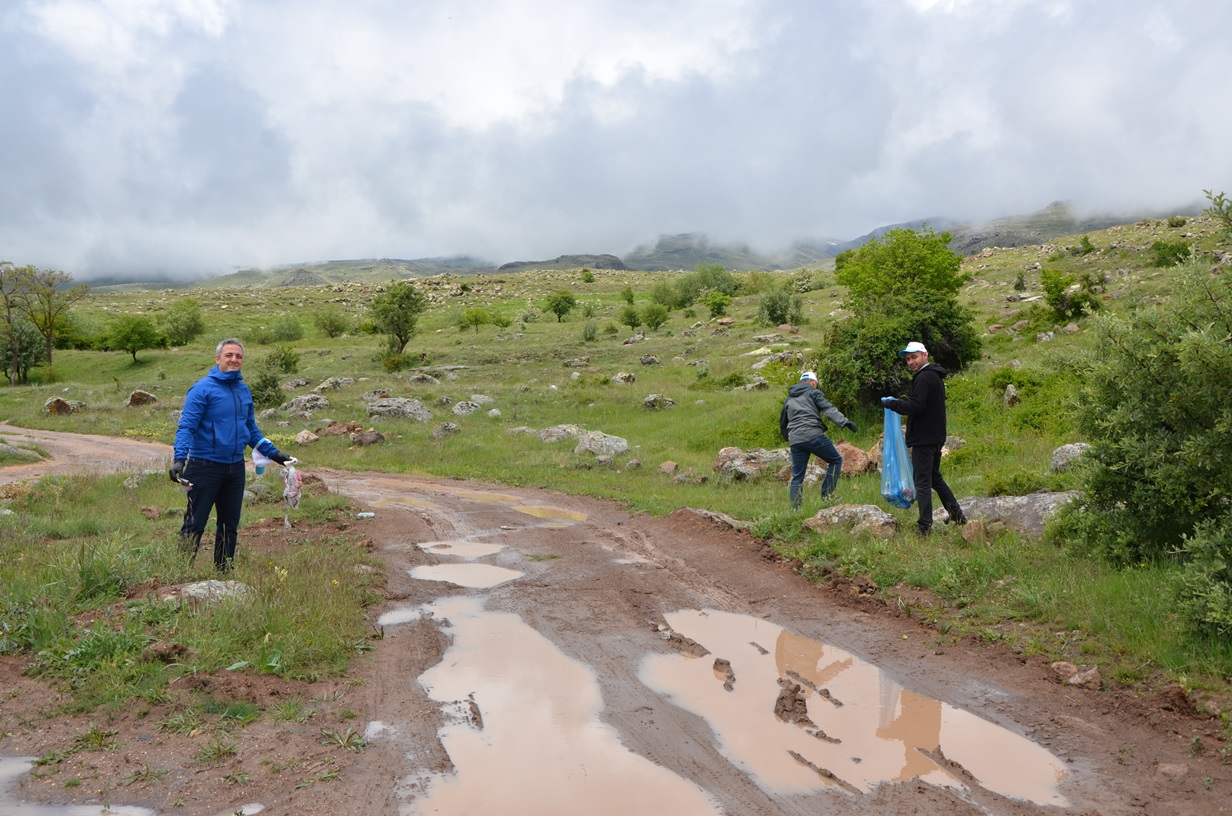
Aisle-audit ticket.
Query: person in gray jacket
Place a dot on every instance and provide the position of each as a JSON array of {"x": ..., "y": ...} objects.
[{"x": 802, "y": 427}]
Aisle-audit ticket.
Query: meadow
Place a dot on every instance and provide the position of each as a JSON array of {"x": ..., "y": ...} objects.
[{"x": 1034, "y": 596}]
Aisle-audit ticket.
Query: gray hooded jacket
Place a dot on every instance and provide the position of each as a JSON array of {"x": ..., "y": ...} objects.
[{"x": 800, "y": 419}]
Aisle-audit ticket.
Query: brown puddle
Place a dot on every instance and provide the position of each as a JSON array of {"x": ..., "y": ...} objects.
[
  {"x": 462, "y": 549},
  {"x": 551, "y": 513},
  {"x": 848, "y": 719},
  {"x": 404, "y": 500},
  {"x": 472, "y": 576},
  {"x": 526, "y": 729}
]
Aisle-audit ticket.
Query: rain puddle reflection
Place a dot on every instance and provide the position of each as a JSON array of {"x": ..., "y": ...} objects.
[
  {"x": 840, "y": 721},
  {"x": 396, "y": 616},
  {"x": 526, "y": 730},
  {"x": 462, "y": 549},
  {"x": 551, "y": 513},
  {"x": 13, "y": 767},
  {"x": 472, "y": 576}
]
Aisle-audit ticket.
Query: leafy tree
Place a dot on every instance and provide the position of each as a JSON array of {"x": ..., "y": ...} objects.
[
  {"x": 183, "y": 322},
  {"x": 560, "y": 303},
  {"x": 1220, "y": 210},
  {"x": 630, "y": 316},
  {"x": 46, "y": 299},
  {"x": 1066, "y": 300},
  {"x": 626, "y": 295},
  {"x": 265, "y": 387},
  {"x": 588, "y": 276},
  {"x": 654, "y": 315},
  {"x": 395, "y": 313},
  {"x": 473, "y": 318},
  {"x": 663, "y": 292},
  {"x": 779, "y": 305},
  {"x": 903, "y": 259},
  {"x": 901, "y": 287},
  {"x": 133, "y": 333},
  {"x": 1169, "y": 253},
  {"x": 11, "y": 288},
  {"x": 1154, "y": 407},
  {"x": 706, "y": 278},
  {"x": 29, "y": 350},
  {"x": 332, "y": 320},
  {"x": 716, "y": 302}
]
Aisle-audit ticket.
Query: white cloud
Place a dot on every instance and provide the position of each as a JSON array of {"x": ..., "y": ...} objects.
[{"x": 198, "y": 135}]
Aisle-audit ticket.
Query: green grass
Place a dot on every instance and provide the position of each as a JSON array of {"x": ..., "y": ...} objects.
[{"x": 74, "y": 545}]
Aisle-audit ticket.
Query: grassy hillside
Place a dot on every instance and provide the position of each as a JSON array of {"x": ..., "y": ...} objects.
[{"x": 539, "y": 372}]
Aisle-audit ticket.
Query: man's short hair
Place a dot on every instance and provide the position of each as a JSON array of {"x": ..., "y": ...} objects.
[{"x": 230, "y": 341}]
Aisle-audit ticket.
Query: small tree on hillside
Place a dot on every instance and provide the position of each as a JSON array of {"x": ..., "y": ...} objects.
[
  {"x": 395, "y": 313},
  {"x": 183, "y": 322},
  {"x": 332, "y": 320},
  {"x": 133, "y": 333},
  {"x": 630, "y": 316},
  {"x": 46, "y": 300},
  {"x": 654, "y": 315},
  {"x": 560, "y": 303}
]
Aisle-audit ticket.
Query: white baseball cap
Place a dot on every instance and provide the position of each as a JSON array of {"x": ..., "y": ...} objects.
[
  {"x": 912, "y": 348},
  {"x": 808, "y": 375}
]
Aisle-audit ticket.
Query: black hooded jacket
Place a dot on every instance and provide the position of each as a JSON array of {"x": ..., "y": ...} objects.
[{"x": 924, "y": 407}]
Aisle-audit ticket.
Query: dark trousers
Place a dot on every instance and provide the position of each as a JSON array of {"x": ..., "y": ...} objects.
[
  {"x": 823, "y": 449},
  {"x": 926, "y": 469},
  {"x": 213, "y": 485}
]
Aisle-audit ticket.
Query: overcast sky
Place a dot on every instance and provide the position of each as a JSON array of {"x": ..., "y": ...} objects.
[{"x": 190, "y": 137}]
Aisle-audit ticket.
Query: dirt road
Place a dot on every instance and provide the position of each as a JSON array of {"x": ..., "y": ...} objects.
[{"x": 546, "y": 654}]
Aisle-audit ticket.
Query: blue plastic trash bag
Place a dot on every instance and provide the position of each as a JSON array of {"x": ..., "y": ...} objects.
[{"x": 897, "y": 482}]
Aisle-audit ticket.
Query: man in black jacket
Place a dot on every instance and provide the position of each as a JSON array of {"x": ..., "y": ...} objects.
[
  {"x": 802, "y": 428},
  {"x": 924, "y": 408}
]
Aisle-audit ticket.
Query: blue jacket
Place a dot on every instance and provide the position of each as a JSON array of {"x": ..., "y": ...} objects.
[{"x": 219, "y": 421}]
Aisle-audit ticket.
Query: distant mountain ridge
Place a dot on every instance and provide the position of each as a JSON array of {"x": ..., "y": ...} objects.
[{"x": 670, "y": 252}]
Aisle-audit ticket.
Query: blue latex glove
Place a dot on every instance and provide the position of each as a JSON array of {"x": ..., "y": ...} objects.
[{"x": 886, "y": 400}]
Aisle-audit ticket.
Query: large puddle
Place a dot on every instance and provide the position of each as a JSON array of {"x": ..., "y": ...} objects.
[
  {"x": 472, "y": 576},
  {"x": 800, "y": 716},
  {"x": 462, "y": 549},
  {"x": 526, "y": 736}
]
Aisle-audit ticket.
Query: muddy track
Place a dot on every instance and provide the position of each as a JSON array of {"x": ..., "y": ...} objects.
[{"x": 552, "y": 653}]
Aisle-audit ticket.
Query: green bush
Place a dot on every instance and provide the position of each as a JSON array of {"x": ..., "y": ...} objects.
[
  {"x": 183, "y": 322},
  {"x": 779, "y": 306},
  {"x": 1170, "y": 253},
  {"x": 286, "y": 329},
  {"x": 590, "y": 331},
  {"x": 1205, "y": 594},
  {"x": 716, "y": 302},
  {"x": 284, "y": 359},
  {"x": 1068, "y": 296},
  {"x": 630, "y": 316},
  {"x": 332, "y": 321},
  {"x": 654, "y": 315},
  {"x": 1154, "y": 406},
  {"x": 266, "y": 384}
]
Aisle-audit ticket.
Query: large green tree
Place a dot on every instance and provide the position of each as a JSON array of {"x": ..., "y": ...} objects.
[
  {"x": 183, "y": 322},
  {"x": 46, "y": 299},
  {"x": 901, "y": 287},
  {"x": 560, "y": 303},
  {"x": 133, "y": 333},
  {"x": 395, "y": 313}
]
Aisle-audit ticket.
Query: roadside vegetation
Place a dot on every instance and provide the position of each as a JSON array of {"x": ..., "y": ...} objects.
[{"x": 1136, "y": 576}]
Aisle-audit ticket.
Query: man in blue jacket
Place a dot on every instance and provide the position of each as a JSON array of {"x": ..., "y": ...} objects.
[
  {"x": 217, "y": 425},
  {"x": 924, "y": 408},
  {"x": 802, "y": 428}
]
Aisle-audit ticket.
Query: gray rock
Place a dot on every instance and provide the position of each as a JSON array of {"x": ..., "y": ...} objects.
[
  {"x": 445, "y": 429},
  {"x": 304, "y": 405},
  {"x": 560, "y": 432},
  {"x": 623, "y": 378},
  {"x": 857, "y": 518},
  {"x": 58, "y": 405},
  {"x": 333, "y": 384},
  {"x": 654, "y": 402},
  {"x": 400, "y": 408},
  {"x": 424, "y": 379},
  {"x": 1023, "y": 514},
  {"x": 139, "y": 398},
  {"x": 1065, "y": 455},
  {"x": 207, "y": 591},
  {"x": 601, "y": 444},
  {"x": 465, "y": 407}
]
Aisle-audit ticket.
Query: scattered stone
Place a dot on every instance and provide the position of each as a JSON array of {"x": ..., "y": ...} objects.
[
  {"x": 577, "y": 362},
  {"x": 132, "y": 482},
  {"x": 649, "y": 359},
  {"x": 1065, "y": 455},
  {"x": 668, "y": 468},
  {"x": 857, "y": 518},
  {"x": 601, "y": 444},
  {"x": 654, "y": 402},
  {"x": 721, "y": 519},
  {"x": 423, "y": 379},
  {"x": 1070, "y": 328},
  {"x": 340, "y": 429},
  {"x": 952, "y": 443},
  {"x": 400, "y": 408},
  {"x": 855, "y": 461},
  {"x": 481, "y": 399},
  {"x": 444, "y": 401},
  {"x": 633, "y": 464},
  {"x": 304, "y": 405},
  {"x": 1044, "y": 337},
  {"x": 1023, "y": 514},
  {"x": 139, "y": 398},
  {"x": 558, "y": 433},
  {"x": 366, "y": 438},
  {"x": 305, "y": 437},
  {"x": 740, "y": 465},
  {"x": 164, "y": 651},
  {"x": 604, "y": 462},
  {"x": 974, "y": 532},
  {"x": 375, "y": 394},
  {"x": 623, "y": 378},
  {"x": 58, "y": 405},
  {"x": 448, "y": 429},
  {"x": 211, "y": 591},
  {"x": 1011, "y": 396},
  {"x": 333, "y": 384}
]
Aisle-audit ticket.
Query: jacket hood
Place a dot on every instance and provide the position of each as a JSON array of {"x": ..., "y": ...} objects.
[
  {"x": 798, "y": 389},
  {"x": 941, "y": 372},
  {"x": 225, "y": 376}
]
